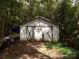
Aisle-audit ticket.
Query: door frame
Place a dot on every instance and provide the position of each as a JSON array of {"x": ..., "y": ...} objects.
[{"x": 33, "y": 28}]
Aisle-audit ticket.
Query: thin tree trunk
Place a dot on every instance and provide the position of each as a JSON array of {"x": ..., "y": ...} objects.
[
  {"x": 0, "y": 27},
  {"x": 31, "y": 9}
]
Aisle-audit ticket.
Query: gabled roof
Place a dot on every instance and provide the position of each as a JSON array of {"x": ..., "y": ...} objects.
[{"x": 42, "y": 18}]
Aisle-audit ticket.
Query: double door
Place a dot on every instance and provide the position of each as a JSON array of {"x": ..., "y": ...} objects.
[{"x": 40, "y": 33}]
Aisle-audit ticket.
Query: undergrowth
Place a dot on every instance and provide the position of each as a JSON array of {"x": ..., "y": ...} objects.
[{"x": 62, "y": 48}]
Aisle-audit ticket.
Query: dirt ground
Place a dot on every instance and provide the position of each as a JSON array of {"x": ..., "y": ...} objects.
[{"x": 30, "y": 50}]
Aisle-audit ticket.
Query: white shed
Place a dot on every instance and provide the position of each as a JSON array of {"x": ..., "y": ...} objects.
[{"x": 40, "y": 29}]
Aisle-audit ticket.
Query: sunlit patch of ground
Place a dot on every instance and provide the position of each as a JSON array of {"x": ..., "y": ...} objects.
[{"x": 30, "y": 50}]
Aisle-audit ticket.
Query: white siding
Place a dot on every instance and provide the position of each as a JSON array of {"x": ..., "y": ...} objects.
[
  {"x": 55, "y": 33},
  {"x": 22, "y": 33},
  {"x": 38, "y": 35}
]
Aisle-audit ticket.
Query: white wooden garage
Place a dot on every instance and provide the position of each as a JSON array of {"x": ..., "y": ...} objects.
[{"x": 40, "y": 29}]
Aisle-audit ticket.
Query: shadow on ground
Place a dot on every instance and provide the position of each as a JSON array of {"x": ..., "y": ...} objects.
[
  {"x": 36, "y": 50},
  {"x": 23, "y": 50}
]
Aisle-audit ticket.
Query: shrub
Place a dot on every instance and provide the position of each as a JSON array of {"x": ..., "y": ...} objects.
[{"x": 62, "y": 48}]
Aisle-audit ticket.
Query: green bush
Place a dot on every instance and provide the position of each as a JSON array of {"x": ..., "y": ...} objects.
[
  {"x": 65, "y": 50},
  {"x": 54, "y": 45},
  {"x": 62, "y": 48}
]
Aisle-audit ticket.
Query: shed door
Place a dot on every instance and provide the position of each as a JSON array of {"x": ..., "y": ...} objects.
[
  {"x": 43, "y": 33},
  {"x": 38, "y": 33}
]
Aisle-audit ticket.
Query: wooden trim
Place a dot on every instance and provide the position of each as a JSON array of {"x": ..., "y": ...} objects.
[
  {"x": 39, "y": 26},
  {"x": 32, "y": 30},
  {"x": 52, "y": 33}
]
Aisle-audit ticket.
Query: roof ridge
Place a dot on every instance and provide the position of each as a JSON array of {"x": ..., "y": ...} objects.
[{"x": 43, "y": 18}]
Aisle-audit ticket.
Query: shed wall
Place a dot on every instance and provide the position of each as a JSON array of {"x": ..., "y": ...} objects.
[{"x": 54, "y": 31}]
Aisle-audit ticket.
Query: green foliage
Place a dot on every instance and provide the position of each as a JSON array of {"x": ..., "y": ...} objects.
[
  {"x": 27, "y": 9},
  {"x": 62, "y": 48},
  {"x": 60, "y": 12},
  {"x": 53, "y": 44},
  {"x": 65, "y": 16},
  {"x": 65, "y": 50},
  {"x": 10, "y": 9}
]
